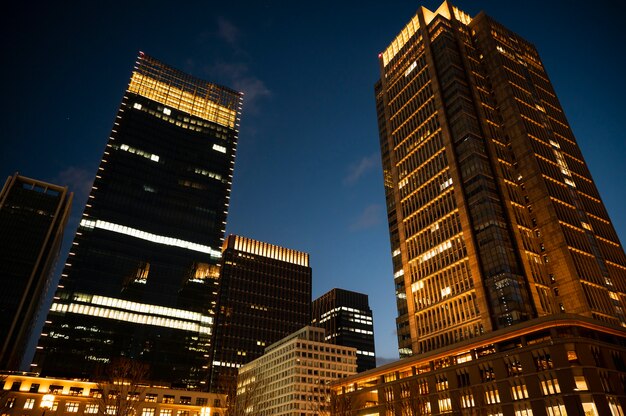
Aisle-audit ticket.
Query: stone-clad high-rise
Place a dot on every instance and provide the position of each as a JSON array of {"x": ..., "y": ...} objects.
[
  {"x": 494, "y": 217},
  {"x": 141, "y": 278},
  {"x": 510, "y": 278}
]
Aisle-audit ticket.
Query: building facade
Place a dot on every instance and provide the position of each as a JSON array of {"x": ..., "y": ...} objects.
[
  {"x": 30, "y": 395},
  {"x": 510, "y": 279},
  {"x": 494, "y": 217},
  {"x": 264, "y": 295},
  {"x": 550, "y": 366},
  {"x": 142, "y": 276},
  {"x": 33, "y": 215},
  {"x": 293, "y": 377},
  {"x": 347, "y": 318}
]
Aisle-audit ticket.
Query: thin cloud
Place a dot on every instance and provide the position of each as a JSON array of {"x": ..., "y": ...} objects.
[
  {"x": 370, "y": 217},
  {"x": 239, "y": 77},
  {"x": 78, "y": 180},
  {"x": 227, "y": 31},
  {"x": 357, "y": 170}
]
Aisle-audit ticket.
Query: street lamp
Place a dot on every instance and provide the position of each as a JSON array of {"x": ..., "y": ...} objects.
[{"x": 47, "y": 401}]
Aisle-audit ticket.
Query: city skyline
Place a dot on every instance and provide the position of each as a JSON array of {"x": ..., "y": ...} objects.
[{"x": 333, "y": 160}]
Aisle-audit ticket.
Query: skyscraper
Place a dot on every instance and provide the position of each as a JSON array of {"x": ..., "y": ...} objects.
[
  {"x": 494, "y": 217},
  {"x": 142, "y": 275},
  {"x": 33, "y": 215},
  {"x": 347, "y": 318},
  {"x": 264, "y": 295},
  {"x": 510, "y": 279}
]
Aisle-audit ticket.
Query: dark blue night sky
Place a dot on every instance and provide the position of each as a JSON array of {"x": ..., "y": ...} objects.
[{"x": 308, "y": 172}]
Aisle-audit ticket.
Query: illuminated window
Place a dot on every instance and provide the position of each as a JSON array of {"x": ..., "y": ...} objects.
[
  {"x": 95, "y": 393},
  {"x": 148, "y": 411},
  {"x": 519, "y": 391},
  {"x": 581, "y": 383},
  {"x": 143, "y": 235},
  {"x": 219, "y": 148},
  {"x": 165, "y": 412},
  {"x": 168, "y": 399},
  {"x": 491, "y": 395},
  {"x": 29, "y": 403},
  {"x": 589, "y": 409},
  {"x": 167, "y": 111},
  {"x": 151, "y": 398},
  {"x": 91, "y": 408},
  {"x": 137, "y": 106},
  {"x": 71, "y": 407},
  {"x": 549, "y": 386},
  {"x": 111, "y": 409}
]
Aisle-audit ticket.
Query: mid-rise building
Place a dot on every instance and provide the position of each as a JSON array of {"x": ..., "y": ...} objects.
[
  {"x": 141, "y": 278},
  {"x": 30, "y": 395},
  {"x": 347, "y": 318},
  {"x": 510, "y": 278},
  {"x": 264, "y": 295},
  {"x": 293, "y": 377},
  {"x": 33, "y": 215}
]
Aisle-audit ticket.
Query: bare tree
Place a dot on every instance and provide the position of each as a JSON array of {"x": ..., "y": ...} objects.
[
  {"x": 249, "y": 401},
  {"x": 120, "y": 384},
  {"x": 340, "y": 405}
]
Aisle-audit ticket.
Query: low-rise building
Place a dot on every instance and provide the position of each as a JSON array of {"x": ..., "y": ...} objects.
[
  {"x": 26, "y": 395},
  {"x": 554, "y": 366},
  {"x": 293, "y": 377}
]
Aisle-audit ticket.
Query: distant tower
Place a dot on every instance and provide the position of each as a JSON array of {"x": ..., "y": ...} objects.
[
  {"x": 493, "y": 215},
  {"x": 347, "y": 318},
  {"x": 141, "y": 278},
  {"x": 33, "y": 215},
  {"x": 265, "y": 294}
]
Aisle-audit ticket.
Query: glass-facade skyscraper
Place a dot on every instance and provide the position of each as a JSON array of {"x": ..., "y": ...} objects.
[
  {"x": 142, "y": 275},
  {"x": 494, "y": 218},
  {"x": 347, "y": 318},
  {"x": 264, "y": 295},
  {"x": 33, "y": 215}
]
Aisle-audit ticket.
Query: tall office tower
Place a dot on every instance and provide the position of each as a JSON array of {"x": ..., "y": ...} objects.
[
  {"x": 33, "y": 215},
  {"x": 347, "y": 318},
  {"x": 142, "y": 275},
  {"x": 511, "y": 279},
  {"x": 265, "y": 295},
  {"x": 293, "y": 377},
  {"x": 494, "y": 217}
]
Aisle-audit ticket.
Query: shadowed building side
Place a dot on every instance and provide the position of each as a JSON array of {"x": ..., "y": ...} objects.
[
  {"x": 265, "y": 294},
  {"x": 33, "y": 215}
]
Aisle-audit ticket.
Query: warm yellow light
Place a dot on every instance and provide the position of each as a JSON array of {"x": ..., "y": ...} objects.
[
  {"x": 47, "y": 401},
  {"x": 179, "y": 99}
]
